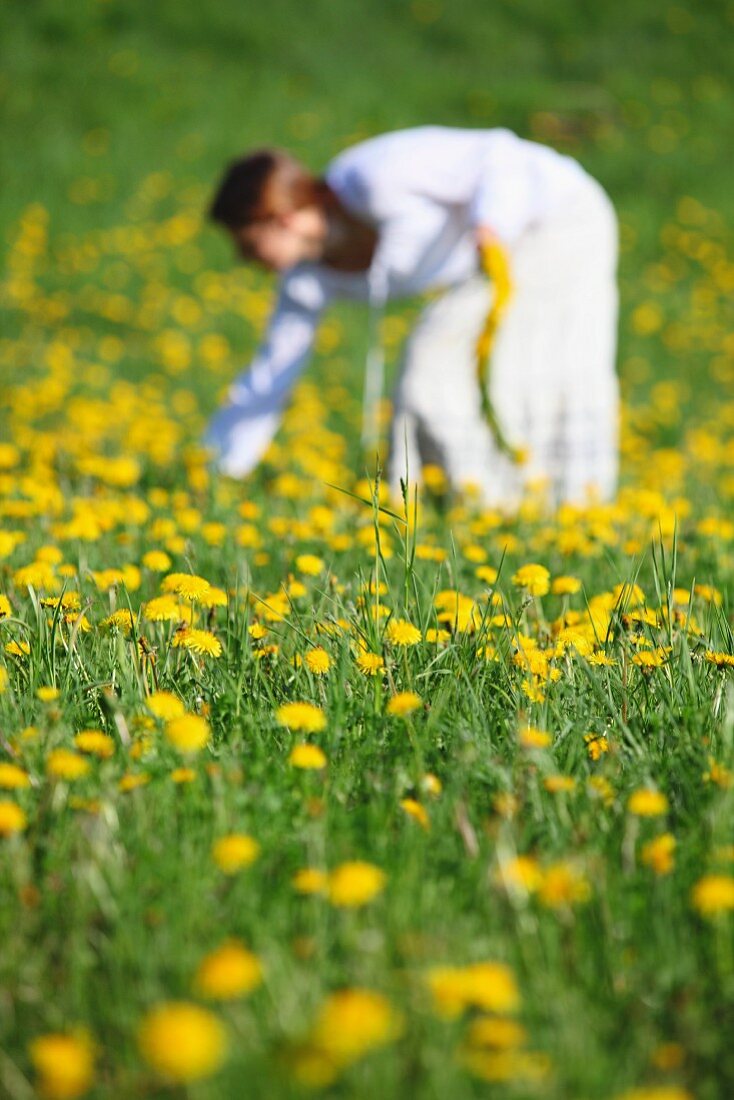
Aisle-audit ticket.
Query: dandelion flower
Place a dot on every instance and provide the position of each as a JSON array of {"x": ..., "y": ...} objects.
[
  {"x": 713, "y": 894},
  {"x": 355, "y": 883},
  {"x": 165, "y": 705},
  {"x": 400, "y": 632},
  {"x": 304, "y": 717},
  {"x": 309, "y": 564},
  {"x": 121, "y": 620},
  {"x": 157, "y": 561},
  {"x": 490, "y": 986},
  {"x": 166, "y": 609},
  {"x": 645, "y": 802},
  {"x": 353, "y": 1021},
  {"x": 12, "y": 818},
  {"x": 533, "y": 578},
  {"x": 530, "y": 738},
  {"x": 310, "y": 880},
  {"x": 658, "y": 854},
  {"x": 64, "y": 1064},
  {"x": 66, "y": 764},
  {"x": 229, "y": 972},
  {"x": 403, "y": 703},
  {"x": 318, "y": 661},
  {"x": 565, "y": 586},
  {"x": 188, "y": 733},
  {"x": 235, "y": 851},
  {"x": 198, "y": 641},
  {"x": 563, "y": 885},
  {"x": 308, "y": 757},
  {"x": 557, "y": 784},
  {"x": 182, "y": 1041},
  {"x": 47, "y": 694},
  {"x": 418, "y": 812},
  {"x": 183, "y": 775},
  {"x": 369, "y": 664},
  {"x": 186, "y": 585},
  {"x": 132, "y": 781},
  {"x": 13, "y": 777},
  {"x": 95, "y": 743}
]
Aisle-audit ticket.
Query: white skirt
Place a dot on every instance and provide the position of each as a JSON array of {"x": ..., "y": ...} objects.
[{"x": 552, "y": 372}]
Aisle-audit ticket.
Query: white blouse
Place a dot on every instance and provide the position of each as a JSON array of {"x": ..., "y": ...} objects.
[{"x": 425, "y": 190}]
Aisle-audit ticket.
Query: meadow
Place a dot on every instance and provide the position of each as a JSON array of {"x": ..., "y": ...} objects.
[{"x": 305, "y": 791}]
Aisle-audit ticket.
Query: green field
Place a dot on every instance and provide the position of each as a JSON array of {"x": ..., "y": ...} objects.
[{"x": 494, "y": 855}]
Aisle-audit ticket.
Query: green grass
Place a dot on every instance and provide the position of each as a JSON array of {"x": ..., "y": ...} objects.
[{"x": 117, "y": 120}]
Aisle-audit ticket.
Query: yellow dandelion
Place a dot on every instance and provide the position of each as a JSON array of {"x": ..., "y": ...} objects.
[
  {"x": 66, "y": 764},
  {"x": 157, "y": 561},
  {"x": 658, "y": 854},
  {"x": 310, "y": 880},
  {"x": 565, "y": 586},
  {"x": 165, "y": 705},
  {"x": 496, "y": 1032},
  {"x": 64, "y": 1064},
  {"x": 400, "y": 632},
  {"x": 304, "y": 717},
  {"x": 186, "y": 585},
  {"x": 132, "y": 780},
  {"x": 308, "y": 757},
  {"x": 95, "y": 742},
  {"x": 12, "y": 818},
  {"x": 352, "y": 1022},
  {"x": 309, "y": 564},
  {"x": 530, "y": 738},
  {"x": 557, "y": 784},
  {"x": 563, "y": 885},
  {"x": 182, "y": 1041},
  {"x": 318, "y": 661},
  {"x": 47, "y": 694},
  {"x": 355, "y": 883},
  {"x": 404, "y": 702},
  {"x": 235, "y": 851},
  {"x": 121, "y": 620},
  {"x": 713, "y": 894},
  {"x": 521, "y": 874},
  {"x": 431, "y": 784},
  {"x": 198, "y": 641},
  {"x": 189, "y": 733},
  {"x": 533, "y": 578},
  {"x": 183, "y": 775},
  {"x": 646, "y": 802},
  {"x": 13, "y": 777},
  {"x": 166, "y": 609},
  {"x": 418, "y": 812},
  {"x": 214, "y": 597},
  {"x": 489, "y": 986},
  {"x": 369, "y": 664},
  {"x": 229, "y": 972}
]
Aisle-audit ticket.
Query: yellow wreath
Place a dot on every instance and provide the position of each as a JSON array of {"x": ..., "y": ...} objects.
[{"x": 495, "y": 263}]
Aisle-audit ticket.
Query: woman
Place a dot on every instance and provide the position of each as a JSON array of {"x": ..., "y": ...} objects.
[{"x": 524, "y": 244}]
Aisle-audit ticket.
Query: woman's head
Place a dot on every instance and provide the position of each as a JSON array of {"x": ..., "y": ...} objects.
[{"x": 274, "y": 208}]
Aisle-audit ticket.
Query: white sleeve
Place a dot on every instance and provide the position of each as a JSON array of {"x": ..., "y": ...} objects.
[
  {"x": 241, "y": 431},
  {"x": 407, "y": 236},
  {"x": 504, "y": 197}
]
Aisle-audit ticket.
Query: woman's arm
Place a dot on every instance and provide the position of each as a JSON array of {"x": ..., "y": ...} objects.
[{"x": 241, "y": 431}]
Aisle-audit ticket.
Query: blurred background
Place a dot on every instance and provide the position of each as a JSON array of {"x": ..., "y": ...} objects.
[{"x": 118, "y": 118}]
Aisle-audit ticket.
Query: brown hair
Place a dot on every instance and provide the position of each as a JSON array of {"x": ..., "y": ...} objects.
[{"x": 263, "y": 184}]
